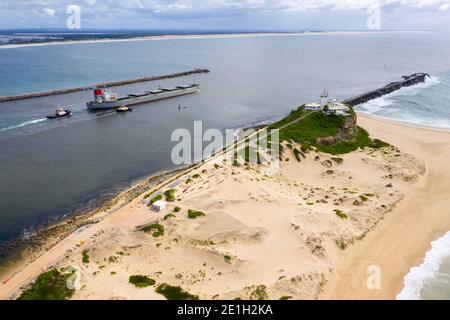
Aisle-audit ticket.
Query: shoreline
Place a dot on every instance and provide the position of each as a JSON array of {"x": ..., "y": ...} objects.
[
  {"x": 49, "y": 234},
  {"x": 403, "y": 123},
  {"x": 339, "y": 287},
  {"x": 389, "y": 246},
  {"x": 199, "y": 36}
]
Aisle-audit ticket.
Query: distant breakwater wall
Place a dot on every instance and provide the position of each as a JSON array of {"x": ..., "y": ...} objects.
[
  {"x": 407, "y": 81},
  {"x": 105, "y": 84}
]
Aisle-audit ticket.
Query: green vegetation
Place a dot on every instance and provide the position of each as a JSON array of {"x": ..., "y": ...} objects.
[
  {"x": 196, "y": 176},
  {"x": 156, "y": 198},
  {"x": 318, "y": 125},
  {"x": 113, "y": 259},
  {"x": 170, "y": 195},
  {"x": 176, "y": 209},
  {"x": 189, "y": 180},
  {"x": 141, "y": 281},
  {"x": 227, "y": 258},
  {"x": 259, "y": 293},
  {"x": 156, "y": 228},
  {"x": 174, "y": 292},
  {"x": 377, "y": 144},
  {"x": 285, "y": 298},
  {"x": 297, "y": 154},
  {"x": 168, "y": 216},
  {"x": 85, "y": 256},
  {"x": 193, "y": 214},
  {"x": 363, "y": 198},
  {"x": 50, "y": 285},
  {"x": 340, "y": 214}
]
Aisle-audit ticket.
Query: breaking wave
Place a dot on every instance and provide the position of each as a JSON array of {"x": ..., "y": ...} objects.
[
  {"x": 419, "y": 276},
  {"x": 422, "y": 104}
]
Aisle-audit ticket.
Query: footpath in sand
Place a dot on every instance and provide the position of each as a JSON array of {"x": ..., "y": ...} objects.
[{"x": 296, "y": 234}]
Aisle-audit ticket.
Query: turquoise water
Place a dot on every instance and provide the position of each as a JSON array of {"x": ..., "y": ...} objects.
[{"x": 51, "y": 168}]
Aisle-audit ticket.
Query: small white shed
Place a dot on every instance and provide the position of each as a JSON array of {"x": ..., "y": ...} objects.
[{"x": 159, "y": 205}]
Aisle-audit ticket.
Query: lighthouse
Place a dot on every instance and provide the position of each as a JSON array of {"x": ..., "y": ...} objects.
[{"x": 324, "y": 98}]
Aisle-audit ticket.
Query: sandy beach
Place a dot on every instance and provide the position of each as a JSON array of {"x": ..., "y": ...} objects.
[
  {"x": 402, "y": 238},
  {"x": 200, "y": 36},
  {"x": 309, "y": 232}
]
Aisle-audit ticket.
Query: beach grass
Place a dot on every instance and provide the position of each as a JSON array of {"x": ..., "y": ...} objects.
[
  {"x": 141, "y": 281},
  {"x": 193, "y": 214},
  {"x": 156, "y": 228},
  {"x": 170, "y": 195},
  {"x": 174, "y": 292},
  {"x": 50, "y": 285},
  {"x": 85, "y": 256}
]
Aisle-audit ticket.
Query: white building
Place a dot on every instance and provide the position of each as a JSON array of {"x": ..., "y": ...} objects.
[
  {"x": 337, "y": 108},
  {"x": 159, "y": 205},
  {"x": 313, "y": 106},
  {"x": 328, "y": 105}
]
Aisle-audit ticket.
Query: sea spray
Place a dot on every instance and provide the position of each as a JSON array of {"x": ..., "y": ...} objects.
[{"x": 420, "y": 276}]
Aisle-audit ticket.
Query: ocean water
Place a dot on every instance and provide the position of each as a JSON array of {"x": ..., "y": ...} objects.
[
  {"x": 430, "y": 280},
  {"x": 49, "y": 169}
]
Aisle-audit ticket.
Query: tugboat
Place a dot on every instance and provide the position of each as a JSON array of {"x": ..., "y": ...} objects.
[
  {"x": 123, "y": 109},
  {"x": 59, "y": 113}
]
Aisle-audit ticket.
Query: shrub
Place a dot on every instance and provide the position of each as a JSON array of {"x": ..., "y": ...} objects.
[
  {"x": 176, "y": 209},
  {"x": 377, "y": 143},
  {"x": 170, "y": 195},
  {"x": 227, "y": 258},
  {"x": 141, "y": 281},
  {"x": 363, "y": 198},
  {"x": 193, "y": 214},
  {"x": 50, "y": 285},
  {"x": 85, "y": 256},
  {"x": 340, "y": 214},
  {"x": 174, "y": 292},
  {"x": 285, "y": 298},
  {"x": 189, "y": 180},
  {"x": 156, "y": 198},
  {"x": 259, "y": 293},
  {"x": 156, "y": 228},
  {"x": 168, "y": 216},
  {"x": 297, "y": 154},
  {"x": 196, "y": 176}
]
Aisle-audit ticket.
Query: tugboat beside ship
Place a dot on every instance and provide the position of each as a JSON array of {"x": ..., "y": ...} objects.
[
  {"x": 59, "y": 113},
  {"x": 105, "y": 99}
]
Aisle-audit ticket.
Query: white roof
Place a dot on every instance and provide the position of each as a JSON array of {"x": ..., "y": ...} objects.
[
  {"x": 314, "y": 104},
  {"x": 339, "y": 106},
  {"x": 159, "y": 203}
]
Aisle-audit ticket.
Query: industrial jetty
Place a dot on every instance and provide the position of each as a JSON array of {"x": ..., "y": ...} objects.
[
  {"x": 407, "y": 81},
  {"x": 105, "y": 99}
]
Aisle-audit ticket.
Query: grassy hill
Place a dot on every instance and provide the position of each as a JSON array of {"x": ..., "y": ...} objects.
[{"x": 318, "y": 125}]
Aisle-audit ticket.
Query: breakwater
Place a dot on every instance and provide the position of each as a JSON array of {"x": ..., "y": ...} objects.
[
  {"x": 104, "y": 84},
  {"x": 393, "y": 86}
]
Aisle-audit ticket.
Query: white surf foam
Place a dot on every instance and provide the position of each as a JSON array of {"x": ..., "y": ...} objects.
[
  {"x": 378, "y": 104},
  {"x": 23, "y": 124},
  {"x": 417, "y": 276}
]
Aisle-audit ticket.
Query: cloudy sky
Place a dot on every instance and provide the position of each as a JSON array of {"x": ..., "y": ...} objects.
[{"x": 229, "y": 14}]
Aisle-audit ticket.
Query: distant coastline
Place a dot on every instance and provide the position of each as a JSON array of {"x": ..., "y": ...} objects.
[{"x": 193, "y": 36}]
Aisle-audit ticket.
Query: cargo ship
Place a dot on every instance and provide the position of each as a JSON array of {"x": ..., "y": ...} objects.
[{"x": 105, "y": 99}]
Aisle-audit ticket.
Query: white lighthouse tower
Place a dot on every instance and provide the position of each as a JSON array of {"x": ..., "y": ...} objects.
[{"x": 324, "y": 98}]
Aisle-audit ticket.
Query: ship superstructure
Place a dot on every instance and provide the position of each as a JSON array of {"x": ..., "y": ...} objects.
[{"x": 105, "y": 99}]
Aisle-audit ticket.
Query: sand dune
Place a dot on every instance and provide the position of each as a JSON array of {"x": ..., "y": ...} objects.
[{"x": 308, "y": 232}]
